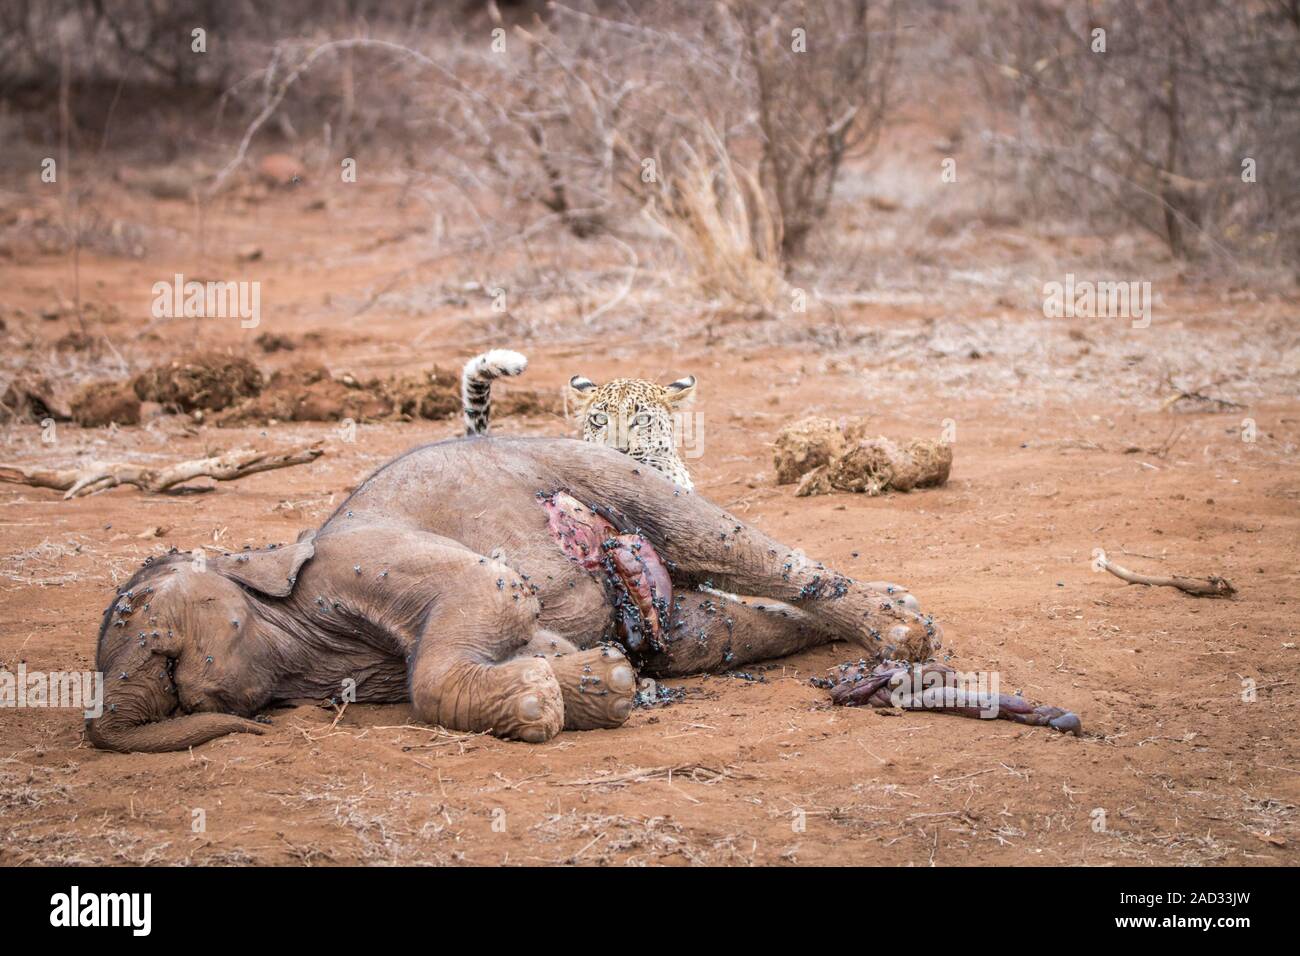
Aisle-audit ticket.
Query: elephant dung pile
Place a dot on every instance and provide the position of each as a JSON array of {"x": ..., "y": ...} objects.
[
  {"x": 32, "y": 398},
  {"x": 99, "y": 404},
  {"x": 201, "y": 381},
  {"x": 307, "y": 392},
  {"x": 804, "y": 445},
  {"x": 824, "y": 457},
  {"x": 230, "y": 390},
  {"x": 876, "y": 465}
]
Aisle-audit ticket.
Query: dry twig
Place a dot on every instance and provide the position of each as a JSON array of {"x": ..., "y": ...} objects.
[
  {"x": 1213, "y": 586},
  {"x": 97, "y": 476}
]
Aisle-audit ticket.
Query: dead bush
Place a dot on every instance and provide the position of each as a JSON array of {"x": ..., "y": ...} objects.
[
  {"x": 787, "y": 90},
  {"x": 822, "y": 74},
  {"x": 1160, "y": 114}
]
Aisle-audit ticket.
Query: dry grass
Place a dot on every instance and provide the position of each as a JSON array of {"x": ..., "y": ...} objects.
[
  {"x": 29, "y": 786},
  {"x": 717, "y": 215},
  {"x": 381, "y": 827},
  {"x": 614, "y": 838},
  {"x": 45, "y": 565},
  {"x": 695, "y": 773}
]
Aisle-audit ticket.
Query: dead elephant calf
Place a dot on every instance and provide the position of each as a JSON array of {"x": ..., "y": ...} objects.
[{"x": 509, "y": 585}]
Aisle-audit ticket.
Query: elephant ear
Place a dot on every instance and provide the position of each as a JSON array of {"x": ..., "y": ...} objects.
[{"x": 272, "y": 571}]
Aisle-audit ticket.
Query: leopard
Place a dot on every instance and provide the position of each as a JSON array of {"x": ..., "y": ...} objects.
[{"x": 634, "y": 416}]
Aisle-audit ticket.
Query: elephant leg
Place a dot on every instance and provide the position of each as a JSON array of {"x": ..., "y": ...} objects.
[
  {"x": 466, "y": 671},
  {"x": 709, "y": 632},
  {"x": 704, "y": 546},
  {"x": 879, "y": 617},
  {"x": 453, "y": 686},
  {"x": 598, "y": 684},
  {"x": 478, "y": 657}
]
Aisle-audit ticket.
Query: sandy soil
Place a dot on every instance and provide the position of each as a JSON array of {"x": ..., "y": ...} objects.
[{"x": 1061, "y": 447}]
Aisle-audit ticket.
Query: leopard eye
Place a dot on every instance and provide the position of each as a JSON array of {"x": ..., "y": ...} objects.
[
  {"x": 599, "y": 420},
  {"x": 642, "y": 419}
]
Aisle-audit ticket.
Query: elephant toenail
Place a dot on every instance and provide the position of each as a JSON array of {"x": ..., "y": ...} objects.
[
  {"x": 530, "y": 707},
  {"x": 899, "y": 633},
  {"x": 622, "y": 679},
  {"x": 532, "y": 735},
  {"x": 910, "y": 602},
  {"x": 621, "y": 709}
]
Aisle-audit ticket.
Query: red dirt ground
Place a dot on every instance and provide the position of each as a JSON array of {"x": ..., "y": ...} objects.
[{"x": 1059, "y": 450}]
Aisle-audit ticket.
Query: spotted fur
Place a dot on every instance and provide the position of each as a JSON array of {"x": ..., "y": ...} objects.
[
  {"x": 631, "y": 415},
  {"x": 637, "y": 418}
]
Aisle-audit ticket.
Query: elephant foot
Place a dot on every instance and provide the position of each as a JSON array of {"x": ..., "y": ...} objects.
[
  {"x": 536, "y": 712},
  {"x": 940, "y": 688},
  {"x": 914, "y": 636},
  {"x": 598, "y": 687},
  {"x": 518, "y": 699}
]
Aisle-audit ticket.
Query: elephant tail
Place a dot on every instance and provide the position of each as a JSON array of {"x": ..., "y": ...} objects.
[{"x": 476, "y": 385}]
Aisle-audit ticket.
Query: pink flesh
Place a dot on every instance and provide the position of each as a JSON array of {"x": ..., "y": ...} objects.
[
  {"x": 644, "y": 576},
  {"x": 582, "y": 535},
  {"x": 579, "y": 531}
]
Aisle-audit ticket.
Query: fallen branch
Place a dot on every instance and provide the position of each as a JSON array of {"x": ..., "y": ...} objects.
[
  {"x": 1213, "y": 586},
  {"x": 97, "y": 476}
]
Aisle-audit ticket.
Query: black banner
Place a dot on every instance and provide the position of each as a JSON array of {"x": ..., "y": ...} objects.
[{"x": 218, "y": 906}]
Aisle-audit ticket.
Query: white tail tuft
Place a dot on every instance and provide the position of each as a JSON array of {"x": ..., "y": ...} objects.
[
  {"x": 494, "y": 364},
  {"x": 476, "y": 385}
]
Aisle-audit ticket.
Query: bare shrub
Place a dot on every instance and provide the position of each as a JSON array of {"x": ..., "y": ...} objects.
[
  {"x": 822, "y": 75},
  {"x": 599, "y": 100},
  {"x": 144, "y": 41},
  {"x": 578, "y": 113},
  {"x": 1156, "y": 128}
]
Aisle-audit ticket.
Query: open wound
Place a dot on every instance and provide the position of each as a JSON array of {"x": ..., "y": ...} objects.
[{"x": 637, "y": 577}]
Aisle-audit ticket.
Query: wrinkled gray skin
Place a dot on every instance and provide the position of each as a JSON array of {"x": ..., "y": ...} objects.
[{"x": 439, "y": 582}]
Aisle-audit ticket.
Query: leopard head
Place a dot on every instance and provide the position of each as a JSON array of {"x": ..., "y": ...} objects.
[{"x": 635, "y": 417}]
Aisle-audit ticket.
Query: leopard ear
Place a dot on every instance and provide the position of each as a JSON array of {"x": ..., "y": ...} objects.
[
  {"x": 581, "y": 390},
  {"x": 680, "y": 391}
]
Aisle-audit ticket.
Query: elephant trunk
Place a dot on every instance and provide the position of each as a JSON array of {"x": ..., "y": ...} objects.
[
  {"x": 141, "y": 710},
  {"x": 173, "y": 733}
]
